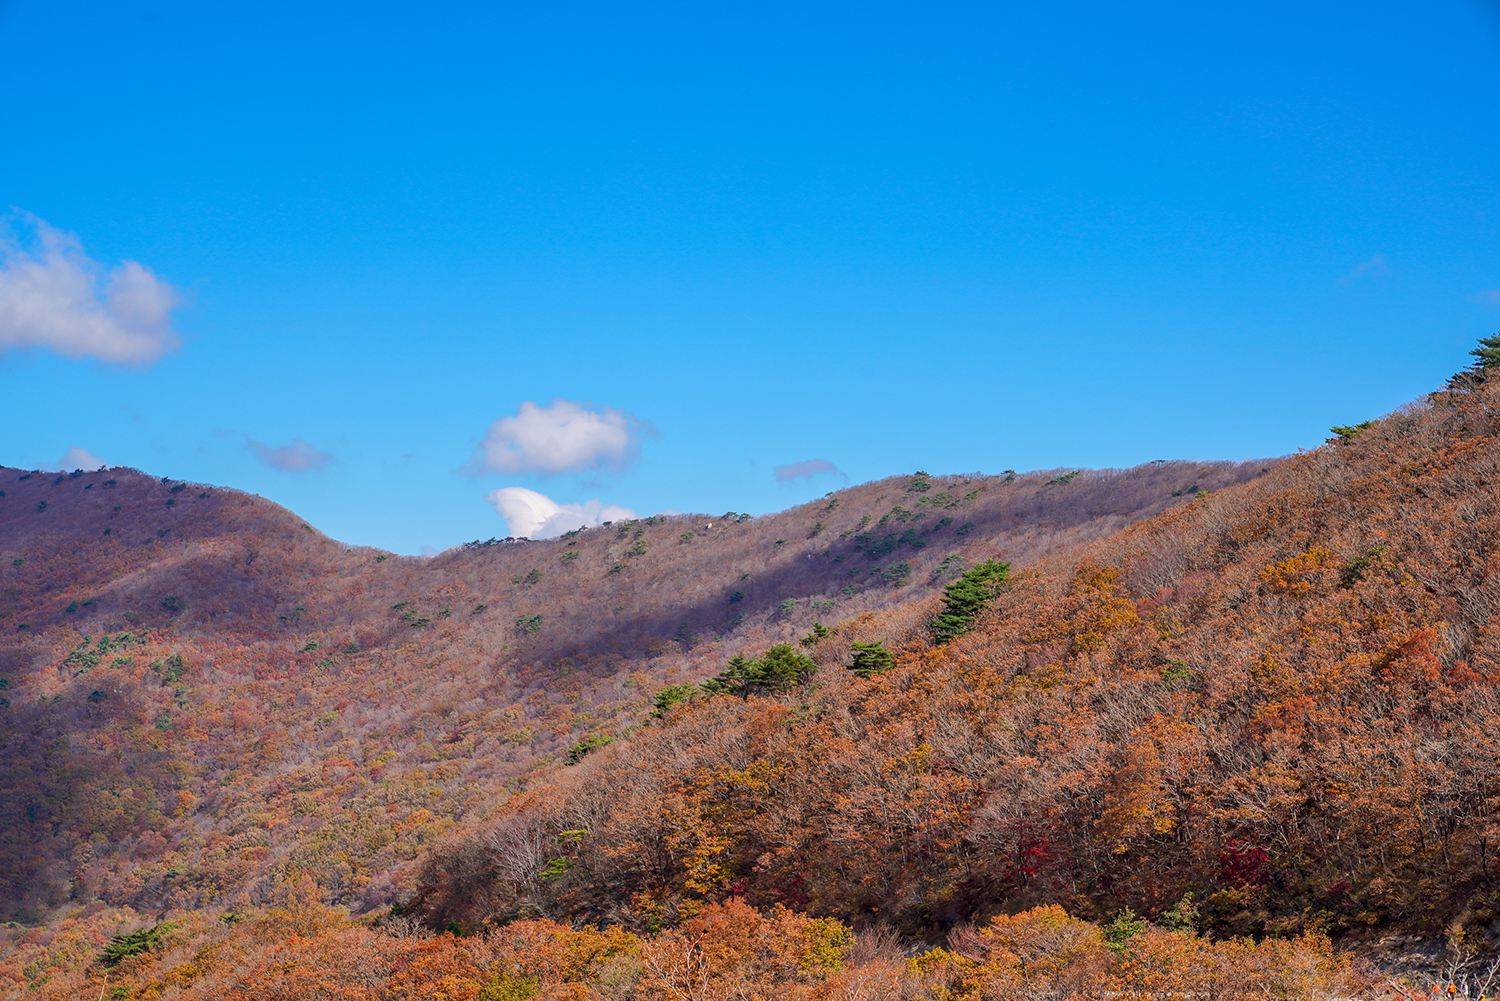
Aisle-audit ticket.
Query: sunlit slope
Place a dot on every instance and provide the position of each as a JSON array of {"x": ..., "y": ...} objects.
[
  {"x": 1278, "y": 699},
  {"x": 206, "y": 696}
]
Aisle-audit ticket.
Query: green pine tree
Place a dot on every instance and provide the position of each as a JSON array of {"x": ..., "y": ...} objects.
[
  {"x": 779, "y": 669},
  {"x": 966, "y": 597},
  {"x": 871, "y": 658},
  {"x": 1487, "y": 356}
]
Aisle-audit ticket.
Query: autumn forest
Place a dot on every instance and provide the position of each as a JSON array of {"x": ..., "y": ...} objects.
[{"x": 1216, "y": 728}]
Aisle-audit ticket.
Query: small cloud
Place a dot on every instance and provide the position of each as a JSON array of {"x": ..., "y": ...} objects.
[
  {"x": 79, "y": 458},
  {"x": 298, "y": 457},
  {"x": 428, "y": 552},
  {"x": 52, "y": 295},
  {"x": 1487, "y": 296},
  {"x": 806, "y": 470},
  {"x": 1375, "y": 267},
  {"x": 566, "y": 437},
  {"x": 531, "y": 515}
]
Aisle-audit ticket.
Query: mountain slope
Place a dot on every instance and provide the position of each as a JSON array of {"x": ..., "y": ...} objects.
[
  {"x": 1278, "y": 702},
  {"x": 206, "y": 698}
]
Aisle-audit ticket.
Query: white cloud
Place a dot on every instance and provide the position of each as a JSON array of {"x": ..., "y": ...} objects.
[
  {"x": 298, "y": 457},
  {"x": 566, "y": 437},
  {"x": 536, "y": 516},
  {"x": 79, "y": 458},
  {"x": 52, "y": 295},
  {"x": 806, "y": 470}
]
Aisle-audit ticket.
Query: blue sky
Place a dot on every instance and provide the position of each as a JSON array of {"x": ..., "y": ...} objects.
[{"x": 870, "y": 238}]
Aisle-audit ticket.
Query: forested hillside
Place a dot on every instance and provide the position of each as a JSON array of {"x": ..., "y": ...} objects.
[
  {"x": 1223, "y": 749},
  {"x": 1273, "y": 708},
  {"x": 207, "y": 701}
]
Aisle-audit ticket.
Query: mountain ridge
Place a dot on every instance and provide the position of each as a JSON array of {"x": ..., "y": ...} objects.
[{"x": 173, "y": 652}]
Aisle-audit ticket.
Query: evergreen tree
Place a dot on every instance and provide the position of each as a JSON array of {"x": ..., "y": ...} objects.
[
  {"x": 1488, "y": 357},
  {"x": 779, "y": 669},
  {"x": 1488, "y": 352},
  {"x": 966, "y": 597},
  {"x": 871, "y": 658},
  {"x": 671, "y": 696}
]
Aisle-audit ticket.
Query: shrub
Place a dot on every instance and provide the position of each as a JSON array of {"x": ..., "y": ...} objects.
[
  {"x": 592, "y": 742},
  {"x": 172, "y": 603},
  {"x": 134, "y": 944},
  {"x": 529, "y": 625},
  {"x": 671, "y": 696},
  {"x": 170, "y": 669},
  {"x": 1354, "y": 571},
  {"x": 897, "y": 574},
  {"x": 1126, "y": 926},
  {"x": 819, "y": 632}
]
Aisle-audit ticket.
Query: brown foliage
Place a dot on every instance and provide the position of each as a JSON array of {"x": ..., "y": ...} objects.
[
  {"x": 727, "y": 952},
  {"x": 207, "y": 698},
  {"x": 1278, "y": 698}
]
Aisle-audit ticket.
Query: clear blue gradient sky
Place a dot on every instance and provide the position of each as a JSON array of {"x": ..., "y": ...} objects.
[{"x": 939, "y": 236}]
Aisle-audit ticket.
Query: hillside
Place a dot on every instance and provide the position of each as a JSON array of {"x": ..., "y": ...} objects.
[
  {"x": 206, "y": 700},
  {"x": 1273, "y": 708}
]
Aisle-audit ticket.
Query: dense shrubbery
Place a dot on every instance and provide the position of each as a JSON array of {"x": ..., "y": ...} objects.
[
  {"x": 301, "y": 710},
  {"x": 724, "y": 951},
  {"x": 1274, "y": 702}
]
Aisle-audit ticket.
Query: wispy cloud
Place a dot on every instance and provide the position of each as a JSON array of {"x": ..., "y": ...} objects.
[
  {"x": 79, "y": 458},
  {"x": 566, "y": 437},
  {"x": 806, "y": 470},
  {"x": 298, "y": 457},
  {"x": 1375, "y": 267},
  {"x": 531, "y": 515},
  {"x": 53, "y": 296},
  {"x": 1488, "y": 296}
]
